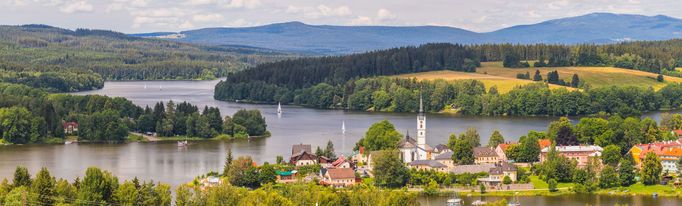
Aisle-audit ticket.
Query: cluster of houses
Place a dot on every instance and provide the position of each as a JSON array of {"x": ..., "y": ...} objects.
[
  {"x": 417, "y": 154},
  {"x": 669, "y": 152},
  {"x": 337, "y": 172}
]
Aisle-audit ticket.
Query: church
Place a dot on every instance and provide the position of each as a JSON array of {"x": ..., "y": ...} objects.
[{"x": 411, "y": 149}]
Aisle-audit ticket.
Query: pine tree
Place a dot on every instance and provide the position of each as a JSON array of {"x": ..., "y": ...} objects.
[
  {"x": 329, "y": 150},
  {"x": 495, "y": 139},
  {"x": 651, "y": 169},
  {"x": 537, "y": 77},
  {"x": 575, "y": 81},
  {"x": 44, "y": 186},
  {"x": 228, "y": 162},
  {"x": 21, "y": 177}
]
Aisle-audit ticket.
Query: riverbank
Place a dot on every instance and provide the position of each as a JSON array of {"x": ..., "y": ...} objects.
[{"x": 139, "y": 137}]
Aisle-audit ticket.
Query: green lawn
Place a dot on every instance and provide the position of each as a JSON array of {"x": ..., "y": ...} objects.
[
  {"x": 641, "y": 189},
  {"x": 540, "y": 184}
]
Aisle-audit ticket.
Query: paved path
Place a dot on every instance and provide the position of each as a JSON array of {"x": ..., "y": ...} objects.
[{"x": 147, "y": 137}]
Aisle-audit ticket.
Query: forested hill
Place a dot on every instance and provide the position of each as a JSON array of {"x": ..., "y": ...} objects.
[
  {"x": 328, "y": 39},
  {"x": 278, "y": 81},
  {"x": 346, "y": 81},
  {"x": 30, "y": 54}
]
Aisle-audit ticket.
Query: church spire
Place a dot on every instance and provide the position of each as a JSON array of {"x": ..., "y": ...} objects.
[{"x": 421, "y": 103}]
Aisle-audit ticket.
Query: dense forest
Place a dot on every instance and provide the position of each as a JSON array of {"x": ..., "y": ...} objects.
[
  {"x": 344, "y": 82},
  {"x": 65, "y": 60},
  {"x": 31, "y": 115},
  {"x": 470, "y": 97}
]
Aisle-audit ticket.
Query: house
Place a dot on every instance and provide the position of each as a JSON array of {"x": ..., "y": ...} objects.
[
  {"x": 341, "y": 162},
  {"x": 500, "y": 151},
  {"x": 303, "y": 158},
  {"x": 338, "y": 177},
  {"x": 669, "y": 158},
  {"x": 440, "y": 149},
  {"x": 286, "y": 176},
  {"x": 639, "y": 151},
  {"x": 582, "y": 154},
  {"x": 70, "y": 127},
  {"x": 485, "y": 155},
  {"x": 301, "y": 155},
  {"x": 428, "y": 165},
  {"x": 496, "y": 175},
  {"x": 446, "y": 159}
]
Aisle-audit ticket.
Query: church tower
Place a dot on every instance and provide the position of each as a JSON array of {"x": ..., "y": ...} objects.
[{"x": 421, "y": 130}]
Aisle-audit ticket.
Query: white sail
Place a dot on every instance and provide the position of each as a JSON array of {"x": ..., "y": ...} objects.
[
  {"x": 279, "y": 108},
  {"x": 343, "y": 127},
  {"x": 145, "y": 86}
]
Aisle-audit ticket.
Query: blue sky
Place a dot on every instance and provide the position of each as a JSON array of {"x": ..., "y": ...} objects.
[{"x": 175, "y": 15}]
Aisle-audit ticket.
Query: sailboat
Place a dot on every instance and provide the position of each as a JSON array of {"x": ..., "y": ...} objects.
[
  {"x": 343, "y": 127},
  {"x": 145, "y": 86},
  {"x": 279, "y": 108},
  {"x": 183, "y": 143},
  {"x": 160, "y": 88},
  {"x": 454, "y": 201}
]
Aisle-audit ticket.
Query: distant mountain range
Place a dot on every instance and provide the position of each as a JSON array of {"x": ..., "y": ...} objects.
[{"x": 324, "y": 39}]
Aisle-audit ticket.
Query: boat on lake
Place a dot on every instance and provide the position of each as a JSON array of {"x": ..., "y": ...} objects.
[
  {"x": 454, "y": 201},
  {"x": 183, "y": 143},
  {"x": 279, "y": 109}
]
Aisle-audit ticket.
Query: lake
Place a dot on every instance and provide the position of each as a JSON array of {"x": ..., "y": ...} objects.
[{"x": 165, "y": 162}]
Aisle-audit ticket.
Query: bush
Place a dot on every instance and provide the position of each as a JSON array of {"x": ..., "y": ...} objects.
[
  {"x": 506, "y": 180},
  {"x": 552, "y": 185}
]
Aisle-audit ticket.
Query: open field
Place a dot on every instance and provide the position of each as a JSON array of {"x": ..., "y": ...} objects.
[
  {"x": 504, "y": 84},
  {"x": 595, "y": 76}
]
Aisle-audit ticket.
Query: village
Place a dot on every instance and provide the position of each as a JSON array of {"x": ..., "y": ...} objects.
[{"x": 492, "y": 168}]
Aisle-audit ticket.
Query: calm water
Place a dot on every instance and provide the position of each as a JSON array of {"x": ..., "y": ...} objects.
[
  {"x": 567, "y": 200},
  {"x": 163, "y": 161}
]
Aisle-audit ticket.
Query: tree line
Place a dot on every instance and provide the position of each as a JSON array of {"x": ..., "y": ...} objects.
[
  {"x": 466, "y": 97},
  {"x": 31, "y": 115}
]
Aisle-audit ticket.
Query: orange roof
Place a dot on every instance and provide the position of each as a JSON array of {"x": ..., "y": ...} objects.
[
  {"x": 504, "y": 146},
  {"x": 544, "y": 143},
  {"x": 673, "y": 152}
]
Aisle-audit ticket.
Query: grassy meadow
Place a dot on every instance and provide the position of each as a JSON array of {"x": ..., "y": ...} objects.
[
  {"x": 493, "y": 74},
  {"x": 504, "y": 84},
  {"x": 595, "y": 76}
]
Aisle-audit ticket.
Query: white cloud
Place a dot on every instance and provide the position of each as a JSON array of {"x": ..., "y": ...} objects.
[
  {"x": 385, "y": 14},
  {"x": 205, "y": 18},
  {"x": 76, "y": 6},
  {"x": 201, "y": 2},
  {"x": 238, "y": 4},
  {"x": 320, "y": 11},
  {"x": 382, "y": 16},
  {"x": 362, "y": 20},
  {"x": 186, "y": 25}
]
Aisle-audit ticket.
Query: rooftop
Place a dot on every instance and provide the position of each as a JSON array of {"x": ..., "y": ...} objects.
[
  {"x": 484, "y": 152},
  {"x": 301, "y": 147},
  {"x": 501, "y": 168},
  {"x": 580, "y": 148},
  {"x": 445, "y": 156},
  {"x": 341, "y": 173},
  {"x": 460, "y": 169},
  {"x": 430, "y": 163}
]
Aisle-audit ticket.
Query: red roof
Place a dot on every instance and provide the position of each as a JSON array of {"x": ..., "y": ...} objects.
[
  {"x": 341, "y": 173},
  {"x": 338, "y": 161},
  {"x": 544, "y": 143},
  {"x": 73, "y": 124}
]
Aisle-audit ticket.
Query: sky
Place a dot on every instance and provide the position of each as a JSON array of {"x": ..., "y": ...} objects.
[{"x": 137, "y": 16}]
